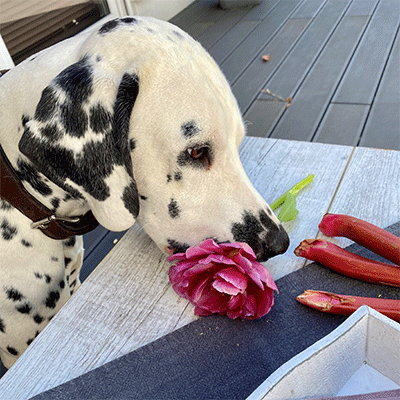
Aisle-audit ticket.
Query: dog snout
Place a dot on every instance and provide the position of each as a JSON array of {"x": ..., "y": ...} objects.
[
  {"x": 276, "y": 243},
  {"x": 266, "y": 237}
]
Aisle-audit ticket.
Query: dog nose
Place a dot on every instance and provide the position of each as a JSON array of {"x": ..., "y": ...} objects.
[{"x": 276, "y": 243}]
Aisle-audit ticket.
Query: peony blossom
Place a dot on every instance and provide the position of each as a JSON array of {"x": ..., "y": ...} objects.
[{"x": 223, "y": 279}]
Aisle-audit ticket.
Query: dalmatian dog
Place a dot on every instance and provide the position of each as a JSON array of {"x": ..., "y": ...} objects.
[{"x": 135, "y": 122}]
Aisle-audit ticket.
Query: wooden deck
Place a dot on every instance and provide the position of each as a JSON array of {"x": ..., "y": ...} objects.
[{"x": 338, "y": 59}]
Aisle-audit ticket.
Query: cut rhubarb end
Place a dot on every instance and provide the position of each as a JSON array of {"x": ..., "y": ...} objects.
[
  {"x": 345, "y": 305},
  {"x": 308, "y": 245},
  {"x": 323, "y": 301}
]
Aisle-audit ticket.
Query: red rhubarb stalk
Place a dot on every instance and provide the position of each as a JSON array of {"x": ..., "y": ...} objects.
[
  {"x": 347, "y": 263},
  {"x": 345, "y": 305},
  {"x": 364, "y": 233}
]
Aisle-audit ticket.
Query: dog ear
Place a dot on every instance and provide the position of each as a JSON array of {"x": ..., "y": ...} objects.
[{"x": 79, "y": 139}]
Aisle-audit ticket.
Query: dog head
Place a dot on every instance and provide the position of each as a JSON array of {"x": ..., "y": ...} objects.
[{"x": 145, "y": 126}]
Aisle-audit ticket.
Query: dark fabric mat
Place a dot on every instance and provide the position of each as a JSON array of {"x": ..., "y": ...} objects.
[{"x": 218, "y": 358}]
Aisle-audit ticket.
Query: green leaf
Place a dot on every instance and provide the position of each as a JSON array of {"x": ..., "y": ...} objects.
[{"x": 289, "y": 211}]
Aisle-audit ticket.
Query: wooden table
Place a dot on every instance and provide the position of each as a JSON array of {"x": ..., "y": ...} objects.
[{"x": 128, "y": 302}]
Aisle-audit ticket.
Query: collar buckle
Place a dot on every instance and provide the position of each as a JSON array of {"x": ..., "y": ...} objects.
[{"x": 43, "y": 223}]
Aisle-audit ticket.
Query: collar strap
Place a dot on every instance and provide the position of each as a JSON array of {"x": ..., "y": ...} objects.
[{"x": 42, "y": 218}]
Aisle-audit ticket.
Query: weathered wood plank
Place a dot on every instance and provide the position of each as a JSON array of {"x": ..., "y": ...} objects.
[
  {"x": 370, "y": 188},
  {"x": 342, "y": 124},
  {"x": 361, "y": 79},
  {"x": 383, "y": 125},
  {"x": 302, "y": 118},
  {"x": 244, "y": 54}
]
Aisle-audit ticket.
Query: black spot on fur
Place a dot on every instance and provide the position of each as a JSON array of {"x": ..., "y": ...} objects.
[
  {"x": 52, "y": 299},
  {"x": 74, "y": 119},
  {"x": 12, "y": 351},
  {"x": 67, "y": 260},
  {"x": 132, "y": 144},
  {"x": 109, "y": 26},
  {"x": 47, "y": 278},
  {"x": 14, "y": 294},
  {"x": 38, "y": 318},
  {"x": 113, "y": 24},
  {"x": 2, "y": 326},
  {"x": 62, "y": 284},
  {"x": 73, "y": 283},
  {"x": 38, "y": 275},
  {"x": 27, "y": 173},
  {"x": 177, "y": 246},
  {"x": 248, "y": 231},
  {"x": 130, "y": 197},
  {"x": 177, "y": 34},
  {"x": 7, "y": 230},
  {"x": 76, "y": 82},
  {"x": 51, "y": 132},
  {"x": 178, "y": 176},
  {"x": 190, "y": 129},
  {"x": 143, "y": 197},
  {"x": 55, "y": 203},
  {"x": 25, "y": 243},
  {"x": 55, "y": 259},
  {"x": 70, "y": 242},
  {"x": 100, "y": 119},
  {"x": 4, "y": 205},
  {"x": 128, "y": 91},
  {"x": 173, "y": 209},
  {"x": 25, "y": 308},
  {"x": 98, "y": 58},
  {"x": 88, "y": 169},
  {"x": 169, "y": 178},
  {"x": 129, "y": 20},
  {"x": 24, "y": 119},
  {"x": 47, "y": 105}
]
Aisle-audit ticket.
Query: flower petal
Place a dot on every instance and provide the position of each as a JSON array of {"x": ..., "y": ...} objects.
[
  {"x": 225, "y": 287},
  {"x": 234, "y": 277}
]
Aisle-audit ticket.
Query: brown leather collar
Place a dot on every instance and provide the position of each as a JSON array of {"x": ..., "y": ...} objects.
[{"x": 12, "y": 190}]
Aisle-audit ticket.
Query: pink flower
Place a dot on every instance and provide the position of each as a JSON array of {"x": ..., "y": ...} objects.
[{"x": 224, "y": 279}]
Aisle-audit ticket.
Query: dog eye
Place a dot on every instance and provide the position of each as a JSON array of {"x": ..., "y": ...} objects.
[{"x": 197, "y": 154}]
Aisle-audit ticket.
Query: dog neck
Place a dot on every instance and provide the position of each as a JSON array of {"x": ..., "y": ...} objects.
[{"x": 52, "y": 225}]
